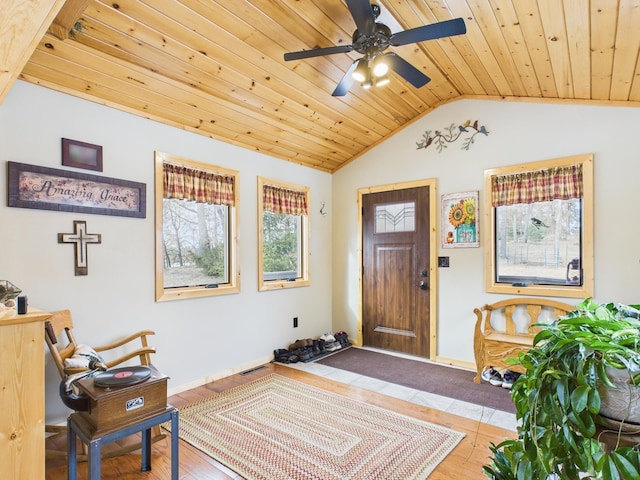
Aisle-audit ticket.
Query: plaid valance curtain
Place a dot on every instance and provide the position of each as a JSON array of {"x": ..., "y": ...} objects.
[
  {"x": 185, "y": 183},
  {"x": 284, "y": 200},
  {"x": 537, "y": 186}
]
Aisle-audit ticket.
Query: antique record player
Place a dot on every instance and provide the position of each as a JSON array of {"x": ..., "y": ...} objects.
[{"x": 122, "y": 395}]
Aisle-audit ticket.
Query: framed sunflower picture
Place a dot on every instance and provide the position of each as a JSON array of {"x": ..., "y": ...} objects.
[{"x": 459, "y": 220}]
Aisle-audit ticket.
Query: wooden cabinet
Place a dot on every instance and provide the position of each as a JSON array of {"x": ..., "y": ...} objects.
[{"x": 22, "y": 395}]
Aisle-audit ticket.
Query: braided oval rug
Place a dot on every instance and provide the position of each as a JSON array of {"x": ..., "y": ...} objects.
[{"x": 275, "y": 428}]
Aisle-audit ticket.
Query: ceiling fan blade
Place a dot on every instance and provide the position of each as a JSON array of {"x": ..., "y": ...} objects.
[
  {"x": 317, "y": 52},
  {"x": 346, "y": 82},
  {"x": 447, "y": 28},
  {"x": 407, "y": 71},
  {"x": 362, "y": 14}
]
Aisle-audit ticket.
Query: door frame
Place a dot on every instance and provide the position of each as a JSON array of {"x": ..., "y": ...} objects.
[{"x": 433, "y": 254}]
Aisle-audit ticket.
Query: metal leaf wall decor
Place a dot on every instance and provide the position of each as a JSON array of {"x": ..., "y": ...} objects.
[{"x": 466, "y": 131}]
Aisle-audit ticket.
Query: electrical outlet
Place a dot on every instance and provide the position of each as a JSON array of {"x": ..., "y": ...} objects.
[{"x": 295, "y": 322}]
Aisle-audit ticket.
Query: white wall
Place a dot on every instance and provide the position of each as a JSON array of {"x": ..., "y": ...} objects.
[
  {"x": 195, "y": 338},
  {"x": 205, "y": 337},
  {"x": 520, "y": 132}
]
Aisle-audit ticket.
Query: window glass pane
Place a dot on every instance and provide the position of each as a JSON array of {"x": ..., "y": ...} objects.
[
  {"x": 395, "y": 217},
  {"x": 282, "y": 246},
  {"x": 195, "y": 239},
  {"x": 539, "y": 243}
]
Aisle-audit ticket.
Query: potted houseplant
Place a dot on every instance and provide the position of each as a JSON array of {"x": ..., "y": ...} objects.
[{"x": 559, "y": 398}]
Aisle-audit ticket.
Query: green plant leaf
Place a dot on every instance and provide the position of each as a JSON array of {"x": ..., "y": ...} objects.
[
  {"x": 631, "y": 454},
  {"x": 603, "y": 311},
  {"x": 569, "y": 436},
  {"x": 594, "y": 401},
  {"x": 601, "y": 369},
  {"x": 624, "y": 331},
  {"x": 542, "y": 335},
  {"x": 609, "y": 469},
  {"x": 580, "y": 398},
  {"x": 524, "y": 469},
  {"x": 589, "y": 424},
  {"x": 585, "y": 461},
  {"x": 624, "y": 466},
  {"x": 562, "y": 392},
  {"x": 555, "y": 411}
]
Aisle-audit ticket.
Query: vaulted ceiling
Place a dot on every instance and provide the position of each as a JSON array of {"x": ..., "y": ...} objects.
[{"x": 216, "y": 67}]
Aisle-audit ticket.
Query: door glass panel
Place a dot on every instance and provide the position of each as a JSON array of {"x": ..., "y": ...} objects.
[{"x": 395, "y": 217}]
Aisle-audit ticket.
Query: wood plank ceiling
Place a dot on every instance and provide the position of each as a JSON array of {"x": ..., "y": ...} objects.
[{"x": 216, "y": 67}]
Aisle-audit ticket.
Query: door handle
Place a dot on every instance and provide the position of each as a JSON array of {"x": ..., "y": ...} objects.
[{"x": 423, "y": 285}]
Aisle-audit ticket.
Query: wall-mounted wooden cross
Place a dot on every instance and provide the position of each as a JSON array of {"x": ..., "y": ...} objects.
[{"x": 81, "y": 239}]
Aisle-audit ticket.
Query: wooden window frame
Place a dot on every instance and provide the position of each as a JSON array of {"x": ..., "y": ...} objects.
[
  {"x": 305, "y": 280},
  {"x": 233, "y": 285},
  {"x": 570, "y": 291}
]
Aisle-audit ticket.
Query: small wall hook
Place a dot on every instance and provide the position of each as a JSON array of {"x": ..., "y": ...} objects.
[{"x": 323, "y": 212}]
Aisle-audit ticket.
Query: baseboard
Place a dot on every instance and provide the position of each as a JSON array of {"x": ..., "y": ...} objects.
[
  {"x": 217, "y": 376},
  {"x": 258, "y": 362},
  {"x": 439, "y": 360},
  {"x": 457, "y": 363}
]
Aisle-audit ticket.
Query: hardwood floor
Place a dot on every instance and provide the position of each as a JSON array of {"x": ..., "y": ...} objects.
[{"x": 464, "y": 463}]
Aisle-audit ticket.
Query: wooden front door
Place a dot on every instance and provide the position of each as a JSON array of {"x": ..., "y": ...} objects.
[{"x": 396, "y": 269}]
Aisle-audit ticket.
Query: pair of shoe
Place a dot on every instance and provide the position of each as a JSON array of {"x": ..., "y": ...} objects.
[
  {"x": 494, "y": 377},
  {"x": 285, "y": 356},
  {"x": 304, "y": 353},
  {"x": 307, "y": 342},
  {"x": 317, "y": 347},
  {"x": 509, "y": 378},
  {"x": 303, "y": 349},
  {"x": 330, "y": 343},
  {"x": 343, "y": 339}
]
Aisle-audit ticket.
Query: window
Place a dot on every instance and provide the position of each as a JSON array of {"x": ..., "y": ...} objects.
[
  {"x": 541, "y": 228},
  {"x": 196, "y": 218},
  {"x": 283, "y": 231}
]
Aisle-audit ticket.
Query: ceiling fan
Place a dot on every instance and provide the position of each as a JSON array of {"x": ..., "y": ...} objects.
[{"x": 371, "y": 39}]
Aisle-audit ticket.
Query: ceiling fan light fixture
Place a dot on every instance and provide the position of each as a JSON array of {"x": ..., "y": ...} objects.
[
  {"x": 371, "y": 38},
  {"x": 368, "y": 81},
  {"x": 361, "y": 72},
  {"x": 382, "y": 81},
  {"x": 380, "y": 67}
]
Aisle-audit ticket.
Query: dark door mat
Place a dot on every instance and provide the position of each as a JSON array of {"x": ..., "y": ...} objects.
[{"x": 425, "y": 376}]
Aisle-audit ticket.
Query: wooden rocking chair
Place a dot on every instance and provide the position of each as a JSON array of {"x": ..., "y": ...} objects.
[{"x": 60, "y": 325}]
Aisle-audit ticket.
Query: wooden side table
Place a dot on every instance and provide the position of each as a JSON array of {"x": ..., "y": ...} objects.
[
  {"x": 78, "y": 426},
  {"x": 22, "y": 394}
]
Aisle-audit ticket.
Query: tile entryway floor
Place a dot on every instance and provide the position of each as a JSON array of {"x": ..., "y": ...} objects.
[{"x": 472, "y": 411}]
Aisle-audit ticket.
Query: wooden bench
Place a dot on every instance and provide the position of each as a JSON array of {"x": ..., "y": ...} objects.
[{"x": 504, "y": 329}]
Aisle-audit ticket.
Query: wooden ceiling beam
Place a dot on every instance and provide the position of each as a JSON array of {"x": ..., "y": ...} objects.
[
  {"x": 22, "y": 25},
  {"x": 67, "y": 17}
]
